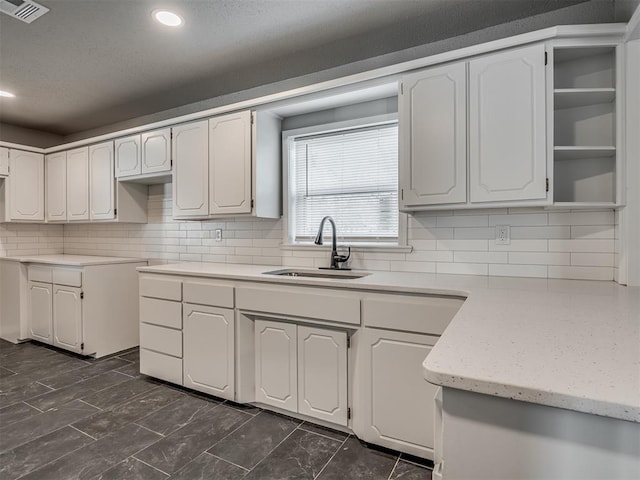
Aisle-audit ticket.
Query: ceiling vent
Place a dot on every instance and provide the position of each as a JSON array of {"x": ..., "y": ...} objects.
[{"x": 24, "y": 10}]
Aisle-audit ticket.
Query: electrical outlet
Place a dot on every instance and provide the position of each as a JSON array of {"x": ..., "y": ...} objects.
[
  {"x": 503, "y": 235},
  {"x": 218, "y": 235}
]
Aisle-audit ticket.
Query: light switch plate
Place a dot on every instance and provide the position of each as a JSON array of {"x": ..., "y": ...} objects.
[{"x": 218, "y": 235}]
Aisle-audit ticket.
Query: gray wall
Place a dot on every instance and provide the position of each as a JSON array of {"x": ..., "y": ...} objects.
[
  {"x": 289, "y": 73},
  {"x": 27, "y": 136}
]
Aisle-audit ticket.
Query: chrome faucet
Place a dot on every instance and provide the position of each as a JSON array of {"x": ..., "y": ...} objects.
[{"x": 336, "y": 259}]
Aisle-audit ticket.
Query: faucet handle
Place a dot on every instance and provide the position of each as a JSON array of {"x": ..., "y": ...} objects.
[{"x": 343, "y": 258}]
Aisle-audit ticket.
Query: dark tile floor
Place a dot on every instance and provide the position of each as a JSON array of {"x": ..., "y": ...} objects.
[{"x": 67, "y": 417}]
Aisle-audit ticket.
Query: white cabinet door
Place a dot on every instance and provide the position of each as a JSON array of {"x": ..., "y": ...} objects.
[
  {"x": 127, "y": 153},
  {"x": 156, "y": 151},
  {"x": 322, "y": 374},
  {"x": 397, "y": 408},
  {"x": 101, "y": 182},
  {"x": 40, "y": 310},
  {"x": 56, "y": 186},
  {"x": 26, "y": 184},
  {"x": 67, "y": 317},
  {"x": 78, "y": 184},
  {"x": 190, "y": 150},
  {"x": 276, "y": 364},
  {"x": 4, "y": 161},
  {"x": 208, "y": 353},
  {"x": 230, "y": 164},
  {"x": 507, "y": 138},
  {"x": 433, "y": 136}
]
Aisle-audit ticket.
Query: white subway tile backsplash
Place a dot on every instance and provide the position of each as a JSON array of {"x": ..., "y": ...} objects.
[
  {"x": 463, "y": 221},
  {"x": 480, "y": 257},
  {"x": 592, "y": 259},
  {"x": 541, "y": 232},
  {"x": 592, "y": 231},
  {"x": 463, "y": 268},
  {"x": 581, "y": 273},
  {"x": 581, "y": 245},
  {"x": 571, "y": 244},
  {"x": 539, "y": 258},
  {"x": 462, "y": 245},
  {"x": 521, "y": 246},
  {"x": 518, "y": 219},
  {"x": 518, "y": 270}
]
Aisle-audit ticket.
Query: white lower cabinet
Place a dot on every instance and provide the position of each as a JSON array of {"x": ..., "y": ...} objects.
[
  {"x": 208, "y": 353},
  {"x": 276, "y": 364},
  {"x": 55, "y": 315},
  {"x": 302, "y": 369},
  {"x": 40, "y": 311},
  {"x": 396, "y": 408},
  {"x": 67, "y": 317},
  {"x": 322, "y": 374}
]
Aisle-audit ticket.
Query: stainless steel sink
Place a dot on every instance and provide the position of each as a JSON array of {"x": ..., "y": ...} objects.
[{"x": 343, "y": 275}]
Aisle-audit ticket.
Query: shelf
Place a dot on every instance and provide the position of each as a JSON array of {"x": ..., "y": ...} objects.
[
  {"x": 576, "y": 153},
  {"x": 580, "y": 97},
  {"x": 149, "y": 178},
  {"x": 580, "y": 205}
]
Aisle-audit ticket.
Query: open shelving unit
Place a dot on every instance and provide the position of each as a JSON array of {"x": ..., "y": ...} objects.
[{"x": 584, "y": 110}]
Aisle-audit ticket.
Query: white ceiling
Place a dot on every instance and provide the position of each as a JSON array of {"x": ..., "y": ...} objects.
[{"x": 90, "y": 63}]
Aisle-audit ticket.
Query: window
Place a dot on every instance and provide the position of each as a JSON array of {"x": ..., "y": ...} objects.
[{"x": 348, "y": 173}]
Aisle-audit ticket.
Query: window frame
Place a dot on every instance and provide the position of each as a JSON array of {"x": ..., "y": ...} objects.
[{"x": 288, "y": 200}]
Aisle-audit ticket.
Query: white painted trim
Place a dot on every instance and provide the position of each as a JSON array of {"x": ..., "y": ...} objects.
[
  {"x": 633, "y": 27},
  {"x": 629, "y": 216},
  {"x": 26, "y": 148},
  {"x": 567, "y": 31}
]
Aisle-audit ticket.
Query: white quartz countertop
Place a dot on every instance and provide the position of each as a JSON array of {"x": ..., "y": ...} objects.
[
  {"x": 72, "y": 260},
  {"x": 562, "y": 343}
]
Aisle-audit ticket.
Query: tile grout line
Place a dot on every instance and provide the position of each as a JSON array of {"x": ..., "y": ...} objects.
[
  {"x": 332, "y": 456},
  {"x": 145, "y": 463},
  {"x": 394, "y": 468},
  {"x": 227, "y": 461},
  {"x": 274, "y": 448},
  {"x": 84, "y": 433},
  {"x": 28, "y": 404}
]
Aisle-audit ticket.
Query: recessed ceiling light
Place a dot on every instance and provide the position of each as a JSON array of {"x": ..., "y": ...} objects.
[
  {"x": 167, "y": 18},
  {"x": 6, "y": 94}
]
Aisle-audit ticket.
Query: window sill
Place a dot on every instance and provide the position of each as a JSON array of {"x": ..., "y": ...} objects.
[{"x": 379, "y": 248}]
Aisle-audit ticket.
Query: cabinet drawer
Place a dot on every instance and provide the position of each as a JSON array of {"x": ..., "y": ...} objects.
[
  {"x": 161, "y": 312},
  {"x": 40, "y": 274},
  {"x": 161, "y": 366},
  {"x": 412, "y": 314},
  {"x": 205, "y": 293},
  {"x": 161, "y": 287},
  {"x": 67, "y": 276},
  {"x": 316, "y": 303},
  {"x": 161, "y": 339}
]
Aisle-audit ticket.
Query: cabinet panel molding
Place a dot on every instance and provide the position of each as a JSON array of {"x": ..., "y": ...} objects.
[
  {"x": 127, "y": 156},
  {"x": 40, "y": 311},
  {"x": 433, "y": 136},
  {"x": 101, "y": 182},
  {"x": 208, "y": 359},
  {"x": 67, "y": 317},
  {"x": 276, "y": 364},
  {"x": 26, "y": 186},
  {"x": 56, "y": 186},
  {"x": 322, "y": 374},
  {"x": 507, "y": 126},
  {"x": 78, "y": 184},
  {"x": 156, "y": 151}
]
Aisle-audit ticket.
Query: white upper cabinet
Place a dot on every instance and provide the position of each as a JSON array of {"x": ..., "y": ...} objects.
[
  {"x": 127, "y": 153},
  {"x": 78, "y": 184},
  {"x": 156, "y": 151},
  {"x": 26, "y": 186},
  {"x": 190, "y": 149},
  {"x": 507, "y": 129},
  {"x": 101, "y": 182},
  {"x": 56, "y": 186},
  {"x": 230, "y": 164},
  {"x": 433, "y": 136},
  {"x": 4, "y": 162}
]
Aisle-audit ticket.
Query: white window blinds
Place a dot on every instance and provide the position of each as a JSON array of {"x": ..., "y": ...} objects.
[{"x": 351, "y": 175}]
